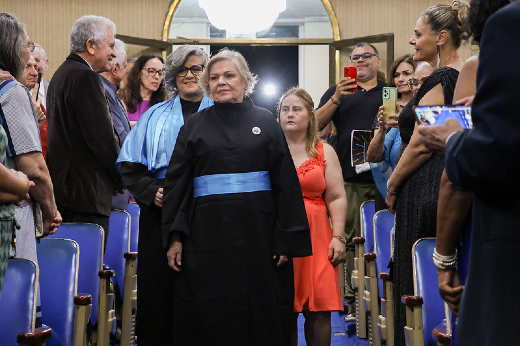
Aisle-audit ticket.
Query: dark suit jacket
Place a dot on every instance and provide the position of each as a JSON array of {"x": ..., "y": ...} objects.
[
  {"x": 82, "y": 142},
  {"x": 486, "y": 160}
]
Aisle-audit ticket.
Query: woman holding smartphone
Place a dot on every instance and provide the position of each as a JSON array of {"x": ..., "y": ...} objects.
[{"x": 413, "y": 188}]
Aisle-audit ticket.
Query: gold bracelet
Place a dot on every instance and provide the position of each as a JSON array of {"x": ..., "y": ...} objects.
[
  {"x": 341, "y": 239},
  {"x": 334, "y": 101}
]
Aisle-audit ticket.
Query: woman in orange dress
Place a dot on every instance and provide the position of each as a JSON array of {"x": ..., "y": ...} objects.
[{"x": 316, "y": 277}]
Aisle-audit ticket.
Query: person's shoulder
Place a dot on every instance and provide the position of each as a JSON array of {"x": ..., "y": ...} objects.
[
  {"x": 16, "y": 92},
  {"x": 507, "y": 15}
]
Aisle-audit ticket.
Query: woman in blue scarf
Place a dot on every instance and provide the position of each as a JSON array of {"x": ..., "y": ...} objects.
[{"x": 144, "y": 158}]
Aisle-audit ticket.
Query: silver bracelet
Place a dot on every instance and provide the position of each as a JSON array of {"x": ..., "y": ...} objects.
[{"x": 444, "y": 262}]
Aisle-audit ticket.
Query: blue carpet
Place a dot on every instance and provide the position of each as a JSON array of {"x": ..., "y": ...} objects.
[{"x": 343, "y": 334}]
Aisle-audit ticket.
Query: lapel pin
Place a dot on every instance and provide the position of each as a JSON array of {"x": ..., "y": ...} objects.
[{"x": 256, "y": 130}]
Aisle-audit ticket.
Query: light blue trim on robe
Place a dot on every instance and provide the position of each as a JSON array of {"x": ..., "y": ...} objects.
[
  {"x": 218, "y": 184},
  {"x": 152, "y": 140}
]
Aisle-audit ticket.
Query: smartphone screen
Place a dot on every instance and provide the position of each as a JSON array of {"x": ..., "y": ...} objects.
[
  {"x": 437, "y": 115},
  {"x": 389, "y": 100},
  {"x": 351, "y": 71},
  {"x": 39, "y": 84}
]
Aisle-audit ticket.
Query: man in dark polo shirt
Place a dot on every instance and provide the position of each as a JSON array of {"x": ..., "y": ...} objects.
[{"x": 353, "y": 111}]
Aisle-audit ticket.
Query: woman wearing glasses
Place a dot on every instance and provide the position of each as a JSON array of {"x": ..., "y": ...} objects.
[
  {"x": 144, "y": 158},
  {"x": 145, "y": 87},
  {"x": 413, "y": 188}
]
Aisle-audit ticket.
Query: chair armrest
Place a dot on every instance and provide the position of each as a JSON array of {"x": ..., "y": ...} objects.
[
  {"x": 442, "y": 336},
  {"x": 359, "y": 240},
  {"x": 106, "y": 273},
  {"x": 412, "y": 301},
  {"x": 130, "y": 255},
  {"x": 370, "y": 257},
  {"x": 385, "y": 276},
  {"x": 38, "y": 336},
  {"x": 83, "y": 299}
]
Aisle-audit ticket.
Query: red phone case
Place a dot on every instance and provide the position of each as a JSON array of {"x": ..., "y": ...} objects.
[{"x": 351, "y": 71}]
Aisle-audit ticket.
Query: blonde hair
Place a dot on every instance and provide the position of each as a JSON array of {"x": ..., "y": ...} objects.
[
  {"x": 312, "y": 130},
  {"x": 451, "y": 18}
]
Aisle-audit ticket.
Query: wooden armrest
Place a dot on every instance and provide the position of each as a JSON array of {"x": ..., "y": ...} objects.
[
  {"x": 359, "y": 240},
  {"x": 83, "y": 299},
  {"x": 39, "y": 335},
  {"x": 106, "y": 273},
  {"x": 412, "y": 300},
  {"x": 442, "y": 335},
  {"x": 369, "y": 257},
  {"x": 131, "y": 255},
  {"x": 385, "y": 276}
]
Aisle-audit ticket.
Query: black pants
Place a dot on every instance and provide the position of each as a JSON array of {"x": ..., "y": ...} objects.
[{"x": 76, "y": 216}]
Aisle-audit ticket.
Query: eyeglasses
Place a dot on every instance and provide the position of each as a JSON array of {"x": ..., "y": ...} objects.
[
  {"x": 152, "y": 72},
  {"x": 365, "y": 56},
  {"x": 414, "y": 83},
  {"x": 195, "y": 70},
  {"x": 30, "y": 46}
]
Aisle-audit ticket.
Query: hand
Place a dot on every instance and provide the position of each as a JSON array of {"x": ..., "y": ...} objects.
[
  {"x": 450, "y": 289},
  {"x": 337, "y": 252},
  {"x": 391, "y": 201},
  {"x": 40, "y": 115},
  {"x": 344, "y": 87},
  {"x": 466, "y": 101},
  {"x": 175, "y": 253},
  {"x": 24, "y": 181},
  {"x": 158, "y": 197},
  {"x": 4, "y": 75},
  {"x": 51, "y": 226},
  {"x": 434, "y": 136},
  {"x": 280, "y": 260}
]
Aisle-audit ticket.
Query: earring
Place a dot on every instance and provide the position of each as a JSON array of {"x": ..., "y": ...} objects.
[{"x": 438, "y": 55}]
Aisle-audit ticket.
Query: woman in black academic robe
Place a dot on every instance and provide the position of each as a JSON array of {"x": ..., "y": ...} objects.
[{"x": 233, "y": 215}]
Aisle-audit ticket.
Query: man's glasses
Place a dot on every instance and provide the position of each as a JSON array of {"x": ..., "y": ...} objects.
[
  {"x": 152, "y": 72},
  {"x": 195, "y": 70},
  {"x": 30, "y": 46},
  {"x": 414, "y": 83},
  {"x": 365, "y": 56}
]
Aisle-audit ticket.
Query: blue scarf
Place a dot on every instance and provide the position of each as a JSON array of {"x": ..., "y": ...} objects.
[{"x": 152, "y": 140}]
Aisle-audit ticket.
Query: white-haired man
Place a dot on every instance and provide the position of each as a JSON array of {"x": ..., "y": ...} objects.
[
  {"x": 112, "y": 80},
  {"x": 82, "y": 142},
  {"x": 42, "y": 64}
]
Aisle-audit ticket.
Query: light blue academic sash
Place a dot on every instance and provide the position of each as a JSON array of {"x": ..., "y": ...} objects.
[{"x": 218, "y": 184}]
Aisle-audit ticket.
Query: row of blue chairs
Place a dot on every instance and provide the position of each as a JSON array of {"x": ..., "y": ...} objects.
[{"x": 62, "y": 272}]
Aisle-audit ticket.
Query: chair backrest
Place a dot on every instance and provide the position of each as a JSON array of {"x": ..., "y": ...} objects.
[
  {"x": 426, "y": 286},
  {"x": 118, "y": 243},
  {"x": 367, "y": 211},
  {"x": 18, "y": 300},
  {"x": 383, "y": 223},
  {"x": 90, "y": 239},
  {"x": 59, "y": 264},
  {"x": 135, "y": 212}
]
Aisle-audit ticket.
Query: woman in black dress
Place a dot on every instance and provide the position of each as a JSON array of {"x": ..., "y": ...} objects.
[{"x": 413, "y": 188}]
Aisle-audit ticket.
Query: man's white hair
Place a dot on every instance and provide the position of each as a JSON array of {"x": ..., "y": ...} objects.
[{"x": 120, "y": 48}]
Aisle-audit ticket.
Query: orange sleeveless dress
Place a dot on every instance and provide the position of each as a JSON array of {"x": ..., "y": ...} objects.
[{"x": 316, "y": 281}]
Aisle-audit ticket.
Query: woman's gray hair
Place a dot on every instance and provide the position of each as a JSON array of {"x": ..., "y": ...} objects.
[
  {"x": 176, "y": 60},
  {"x": 240, "y": 63},
  {"x": 89, "y": 28},
  {"x": 120, "y": 49},
  {"x": 11, "y": 45}
]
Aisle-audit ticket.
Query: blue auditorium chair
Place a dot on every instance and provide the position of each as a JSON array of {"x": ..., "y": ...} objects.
[
  {"x": 119, "y": 258},
  {"x": 58, "y": 260},
  {"x": 426, "y": 310},
  {"x": 135, "y": 212},
  {"x": 362, "y": 245},
  {"x": 18, "y": 305},
  {"x": 92, "y": 279},
  {"x": 384, "y": 251}
]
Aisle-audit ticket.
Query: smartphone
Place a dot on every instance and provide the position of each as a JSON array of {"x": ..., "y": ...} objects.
[
  {"x": 39, "y": 84},
  {"x": 437, "y": 115},
  {"x": 351, "y": 71},
  {"x": 389, "y": 100}
]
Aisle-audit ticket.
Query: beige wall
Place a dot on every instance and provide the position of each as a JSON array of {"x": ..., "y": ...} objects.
[{"x": 49, "y": 21}]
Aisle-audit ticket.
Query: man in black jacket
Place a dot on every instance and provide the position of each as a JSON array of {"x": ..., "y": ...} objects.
[{"x": 82, "y": 143}]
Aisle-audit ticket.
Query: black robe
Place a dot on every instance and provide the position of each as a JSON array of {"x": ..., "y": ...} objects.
[{"x": 229, "y": 291}]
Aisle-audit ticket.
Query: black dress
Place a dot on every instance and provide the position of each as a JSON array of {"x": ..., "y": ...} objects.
[
  {"x": 155, "y": 279},
  {"x": 229, "y": 291},
  {"x": 416, "y": 215}
]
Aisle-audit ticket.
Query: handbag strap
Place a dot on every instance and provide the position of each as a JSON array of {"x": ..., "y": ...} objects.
[{"x": 6, "y": 85}]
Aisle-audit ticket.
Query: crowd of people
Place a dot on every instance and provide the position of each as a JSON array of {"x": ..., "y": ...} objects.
[{"x": 248, "y": 218}]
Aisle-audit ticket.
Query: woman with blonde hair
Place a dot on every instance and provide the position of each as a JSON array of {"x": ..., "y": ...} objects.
[{"x": 316, "y": 277}]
